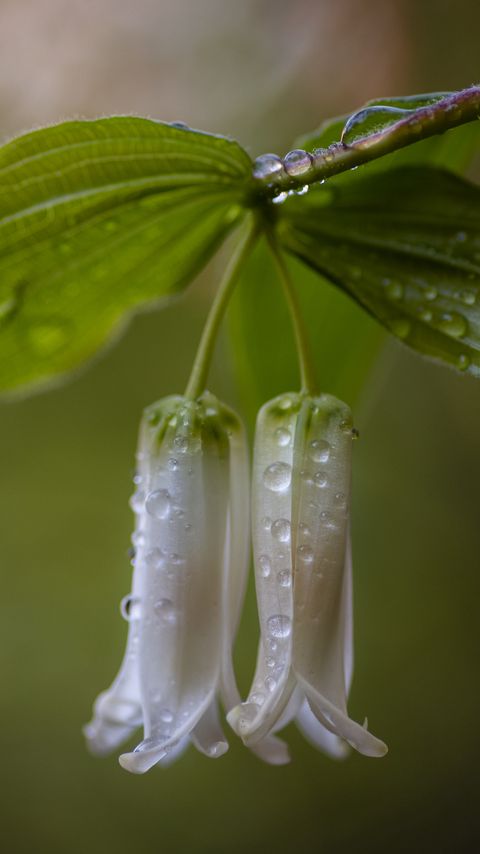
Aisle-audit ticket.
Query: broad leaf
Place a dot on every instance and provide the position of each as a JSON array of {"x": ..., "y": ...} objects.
[
  {"x": 405, "y": 244},
  {"x": 344, "y": 341},
  {"x": 97, "y": 218}
]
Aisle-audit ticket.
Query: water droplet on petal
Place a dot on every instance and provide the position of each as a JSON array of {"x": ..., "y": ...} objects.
[
  {"x": 265, "y": 565},
  {"x": 270, "y": 684},
  {"x": 158, "y": 503},
  {"x": 280, "y": 198},
  {"x": 319, "y": 451},
  {"x": 305, "y": 553},
  {"x": 130, "y": 607},
  {"x": 137, "y": 501},
  {"x": 166, "y": 716},
  {"x": 165, "y": 609},
  {"x": 282, "y": 437},
  {"x": 277, "y": 477},
  {"x": 154, "y": 558},
  {"x": 320, "y": 479},
  {"x": 172, "y": 464},
  {"x": 257, "y": 698},
  {"x": 281, "y": 530},
  {"x": 284, "y": 578},
  {"x": 279, "y": 626}
]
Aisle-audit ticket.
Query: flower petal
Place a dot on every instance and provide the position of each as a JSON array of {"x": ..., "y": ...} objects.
[
  {"x": 318, "y": 735},
  {"x": 271, "y": 528},
  {"x": 322, "y": 624},
  {"x": 181, "y": 627},
  {"x": 208, "y": 736},
  {"x": 237, "y": 555}
]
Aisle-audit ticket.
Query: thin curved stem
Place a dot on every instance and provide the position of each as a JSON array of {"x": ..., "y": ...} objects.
[
  {"x": 201, "y": 365},
  {"x": 307, "y": 374}
]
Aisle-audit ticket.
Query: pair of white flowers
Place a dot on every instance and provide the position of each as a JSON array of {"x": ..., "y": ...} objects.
[{"x": 192, "y": 552}]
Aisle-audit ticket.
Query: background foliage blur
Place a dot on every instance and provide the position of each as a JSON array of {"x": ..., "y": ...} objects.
[{"x": 263, "y": 71}]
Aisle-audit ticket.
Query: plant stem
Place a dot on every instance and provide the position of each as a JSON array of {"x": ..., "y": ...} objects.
[
  {"x": 198, "y": 376},
  {"x": 307, "y": 374},
  {"x": 453, "y": 110}
]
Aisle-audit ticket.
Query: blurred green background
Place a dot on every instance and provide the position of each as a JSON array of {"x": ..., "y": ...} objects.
[{"x": 264, "y": 72}]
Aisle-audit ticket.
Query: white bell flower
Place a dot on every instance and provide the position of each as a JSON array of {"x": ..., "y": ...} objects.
[
  {"x": 192, "y": 550},
  {"x": 300, "y": 520}
]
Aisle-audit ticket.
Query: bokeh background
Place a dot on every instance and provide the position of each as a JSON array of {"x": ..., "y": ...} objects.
[{"x": 263, "y": 71}]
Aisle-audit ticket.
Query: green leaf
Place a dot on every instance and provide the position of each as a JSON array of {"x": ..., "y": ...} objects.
[
  {"x": 344, "y": 341},
  {"x": 405, "y": 244},
  {"x": 453, "y": 150},
  {"x": 96, "y": 218}
]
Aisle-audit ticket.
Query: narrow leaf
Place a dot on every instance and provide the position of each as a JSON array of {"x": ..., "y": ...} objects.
[{"x": 405, "y": 244}]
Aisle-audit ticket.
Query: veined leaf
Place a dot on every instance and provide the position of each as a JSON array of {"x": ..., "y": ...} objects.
[
  {"x": 96, "y": 218},
  {"x": 405, "y": 244}
]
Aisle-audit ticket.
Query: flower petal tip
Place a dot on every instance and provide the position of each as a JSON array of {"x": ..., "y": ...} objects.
[{"x": 144, "y": 757}]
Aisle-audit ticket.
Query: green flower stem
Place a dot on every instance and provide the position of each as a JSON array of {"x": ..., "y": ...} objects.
[
  {"x": 307, "y": 376},
  {"x": 201, "y": 365}
]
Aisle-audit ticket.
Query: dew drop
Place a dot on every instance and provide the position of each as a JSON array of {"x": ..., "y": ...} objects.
[
  {"x": 166, "y": 716},
  {"x": 425, "y": 314},
  {"x": 138, "y": 538},
  {"x": 265, "y": 565},
  {"x": 281, "y": 530},
  {"x": 180, "y": 443},
  {"x": 452, "y": 324},
  {"x": 467, "y": 297},
  {"x": 305, "y": 553},
  {"x": 172, "y": 464},
  {"x": 267, "y": 166},
  {"x": 320, "y": 479},
  {"x": 279, "y": 626},
  {"x": 297, "y": 162},
  {"x": 304, "y": 529},
  {"x": 158, "y": 503},
  {"x": 282, "y": 437},
  {"x": 165, "y": 609},
  {"x": 130, "y": 608},
  {"x": 280, "y": 198},
  {"x": 154, "y": 558},
  {"x": 463, "y": 362},
  {"x": 284, "y": 578},
  {"x": 285, "y": 403},
  {"x": 270, "y": 662},
  {"x": 277, "y": 477},
  {"x": 257, "y": 698},
  {"x": 319, "y": 451},
  {"x": 394, "y": 291},
  {"x": 270, "y": 684},
  {"x": 137, "y": 501},
  {"x": 266, "y": 523},
  {"x": 431, "y": 293}
]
